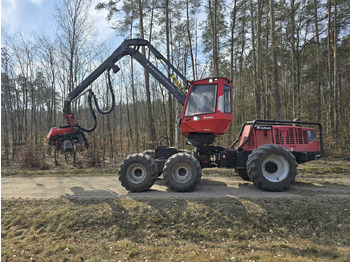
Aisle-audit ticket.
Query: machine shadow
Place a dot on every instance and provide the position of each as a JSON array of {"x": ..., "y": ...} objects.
[
  {"x": 207, "y": 188},
  {"x": 79, "y": 193}
]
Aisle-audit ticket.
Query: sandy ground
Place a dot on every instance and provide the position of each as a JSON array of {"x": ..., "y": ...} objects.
[{"x": 99, "y": 188}]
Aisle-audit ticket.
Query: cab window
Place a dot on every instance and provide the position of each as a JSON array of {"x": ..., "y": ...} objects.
[
  {"x": 201, "y": 100},
  {"x": 227, "y": 99}
]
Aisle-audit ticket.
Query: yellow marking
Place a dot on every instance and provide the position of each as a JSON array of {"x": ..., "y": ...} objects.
[{"x": 183, "y": 90}]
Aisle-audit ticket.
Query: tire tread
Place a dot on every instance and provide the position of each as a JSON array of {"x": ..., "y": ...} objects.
[
  {"x": 167, "y": 168},
  {"x": 254, "y": 172},
  {"x": 150, "y": 167}
]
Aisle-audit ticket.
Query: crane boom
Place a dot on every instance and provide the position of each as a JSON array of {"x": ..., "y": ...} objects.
[
  {"x": 71, "y": 135},
  {"x": 130, "y": 47}
]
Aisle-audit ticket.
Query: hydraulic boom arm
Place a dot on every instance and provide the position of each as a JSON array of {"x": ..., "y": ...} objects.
[
  {"x": 71, "y": 136},
  {"x": 130, "y": 47}
]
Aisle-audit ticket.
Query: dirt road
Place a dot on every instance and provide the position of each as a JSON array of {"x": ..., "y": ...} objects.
[{"x": 100, "y": 188}]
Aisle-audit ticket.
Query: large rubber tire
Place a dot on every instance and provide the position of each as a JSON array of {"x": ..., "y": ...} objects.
[
  {"x": 272, "y": 167},
  {"x": 242, "y": 173},
  {"x": 150, "y": 152},
  {"x": 138, "y": 172},
  {"x": 182, "y": 172}
]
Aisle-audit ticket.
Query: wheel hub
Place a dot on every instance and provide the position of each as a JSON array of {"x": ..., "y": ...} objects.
[
  {"x": 182, "y": 173},
  {"x": 271, "y": 167},
  {"x": 136, "y": 173},
  {"x": 275, "y": 168}
]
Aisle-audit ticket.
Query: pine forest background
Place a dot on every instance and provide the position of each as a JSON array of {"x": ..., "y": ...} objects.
[{"x": 287, "y": 60}]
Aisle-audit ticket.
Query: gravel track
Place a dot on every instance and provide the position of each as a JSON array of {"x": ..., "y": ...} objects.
[{"x": 101, "y": 188}]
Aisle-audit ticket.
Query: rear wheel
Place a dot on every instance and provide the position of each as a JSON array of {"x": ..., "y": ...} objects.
[
  {"x": 272, "y": 167},
  {"x": 138, "y": 172},
  {"x": 182, "y": 172}
]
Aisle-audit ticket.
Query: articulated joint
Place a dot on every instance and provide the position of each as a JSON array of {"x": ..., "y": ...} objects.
[{"x": 67, "y": 107}]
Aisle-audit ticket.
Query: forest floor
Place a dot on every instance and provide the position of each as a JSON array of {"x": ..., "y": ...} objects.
[{"x": 84, "y": 215}]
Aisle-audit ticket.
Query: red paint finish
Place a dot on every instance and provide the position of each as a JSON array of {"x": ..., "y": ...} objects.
[
  {"x": 59, "y": 131},
  {"x": 208, "y": 107},
  {"x": 69, "y": 119},
  {"x": 62, "y": 131},
  {"x": 294, "y": 138}
]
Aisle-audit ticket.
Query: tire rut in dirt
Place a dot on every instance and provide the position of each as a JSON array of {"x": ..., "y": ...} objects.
[
  {"x": 138, "y": 172},
  {"x": 272, "y": 167}
]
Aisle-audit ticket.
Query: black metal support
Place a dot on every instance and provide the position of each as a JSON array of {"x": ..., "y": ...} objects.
[{"x": 154, "y": 71}]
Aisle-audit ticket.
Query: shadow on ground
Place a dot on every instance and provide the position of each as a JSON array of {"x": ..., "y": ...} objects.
[{"x": 79, "y": 193}]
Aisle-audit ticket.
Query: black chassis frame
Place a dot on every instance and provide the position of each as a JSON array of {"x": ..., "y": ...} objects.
[{"x": 217, "y": 156}]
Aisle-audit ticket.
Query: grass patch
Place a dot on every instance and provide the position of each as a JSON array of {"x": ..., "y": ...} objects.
[
  {"x": 172, "y": 230},
  {"x": 322, "y": 167},
  {"x": 60, "y": 172}
]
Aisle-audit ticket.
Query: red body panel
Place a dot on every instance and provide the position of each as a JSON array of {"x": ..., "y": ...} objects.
[
  {"x": 216, "y": 122},
  {"x": 59, "y": 131},
  {"x": 294, "y": 138},
  {"x": 62, "y": 131}
]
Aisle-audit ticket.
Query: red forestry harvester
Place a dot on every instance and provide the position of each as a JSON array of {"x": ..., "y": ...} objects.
[{"x": 266, "y": 151}]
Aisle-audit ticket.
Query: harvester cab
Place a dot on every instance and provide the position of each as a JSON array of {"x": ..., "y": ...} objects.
[{"x": 207, "y": 111}]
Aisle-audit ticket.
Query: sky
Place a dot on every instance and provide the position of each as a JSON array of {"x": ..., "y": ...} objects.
[{"x": 36, "y": 16}]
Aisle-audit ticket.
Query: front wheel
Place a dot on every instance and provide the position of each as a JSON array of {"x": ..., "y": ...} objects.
[
  {"x": 138, "y": 172},
  {"x": 182, "y": 172},
  {"x": 272, "y": 167}
]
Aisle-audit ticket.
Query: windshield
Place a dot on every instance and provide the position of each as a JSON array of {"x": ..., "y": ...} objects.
[{"x": 201, "y": 100}]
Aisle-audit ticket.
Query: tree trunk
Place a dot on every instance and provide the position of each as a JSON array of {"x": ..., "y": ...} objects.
[
  {"x": 335, "y": 76},
  {"x": 318, "y": 59},
  {"x": 190, "y": 39},
  {"x": 150, "y": 122},
  {"x": 130, "y": 136},
  {"x": 256, "y": 84},
  {"x": 171, "y": 121},
  {"x": 213, "y": 23},
  {"x": 134, "y": 100},
  {"x": 274, "y": 61},
  {"x": 294, "y": 70},
  {"x": 233, "y": 25},
  {"x": 329, "y": 38},
  {"x": 258, "y": 48}
]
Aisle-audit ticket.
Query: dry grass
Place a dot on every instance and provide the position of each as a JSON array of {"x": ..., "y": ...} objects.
[
  {"x": 232, "y": 229},
  {"x": 60, "y": 172}
]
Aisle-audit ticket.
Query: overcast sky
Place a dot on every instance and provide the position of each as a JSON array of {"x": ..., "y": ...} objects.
[{"x": 36, "y": 16}]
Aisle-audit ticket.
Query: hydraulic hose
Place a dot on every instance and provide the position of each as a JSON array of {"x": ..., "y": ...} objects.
[
  {"x": 92, "y": 95},
  {"x": 112, "y": 94},
  {"x": 93, "y": 116}
]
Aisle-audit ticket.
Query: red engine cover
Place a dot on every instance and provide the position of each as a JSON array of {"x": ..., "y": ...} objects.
[
  {"x": 294, "y": 138},
  {"x": 208, "y": 107}
]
